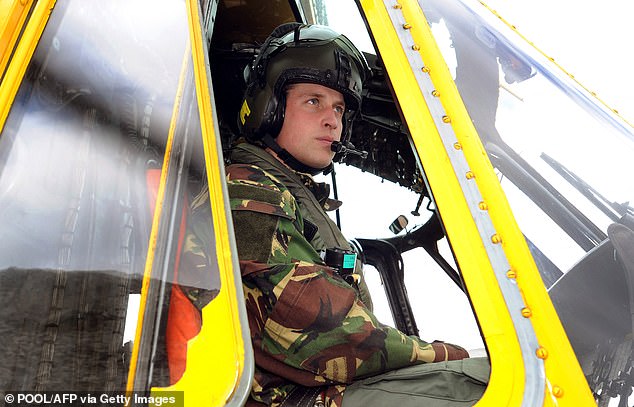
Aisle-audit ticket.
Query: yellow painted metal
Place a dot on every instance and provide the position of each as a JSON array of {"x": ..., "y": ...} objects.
[
  {"x": 507, "y": 378},
  {"x": 562, "y": 368},
  {"x": 13, "y": 14},
  {"x": 22, "y": 54},
  {"x": 215, "y": 358}
]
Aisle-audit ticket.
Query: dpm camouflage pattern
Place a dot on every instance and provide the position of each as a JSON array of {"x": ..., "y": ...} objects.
[
  {"x": 308, "y": 326},
  {"x": 198, "y": 276}
]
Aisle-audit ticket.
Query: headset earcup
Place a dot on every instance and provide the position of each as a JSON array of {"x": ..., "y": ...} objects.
[
  {"x": 273, "y": 116},
  {"x": 278, "y": 115}
]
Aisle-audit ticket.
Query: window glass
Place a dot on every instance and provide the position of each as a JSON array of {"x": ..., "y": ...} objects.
[
  {"x": 562, "y": 159},
  {"x": 81, "y": 155}
]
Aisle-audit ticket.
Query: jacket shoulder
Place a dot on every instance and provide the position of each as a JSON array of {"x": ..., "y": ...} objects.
[{"x": 251, "y": 188}]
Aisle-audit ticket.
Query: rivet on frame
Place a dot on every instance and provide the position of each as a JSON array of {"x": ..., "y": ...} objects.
[
  {"x": 541, "y": 353},
  {"x": 426, "y": 69},
  {"x": 446, "y": 119},
  {"x": 435, "y": 93},
  {"x": 416, "y": 47},
  {"x": 512, "y": 274},
  {"x": 457, "y": 146},
  {"x": 397, "y": 6},
  {"x": 483, "y": 206},
  {"x": 526, "y": 312},
  {"x": 407, "y": 26},
  {"x": 497, "y": 239},
  {"x": 470, "y": 175},
  {"x": 558, "y": 391}
]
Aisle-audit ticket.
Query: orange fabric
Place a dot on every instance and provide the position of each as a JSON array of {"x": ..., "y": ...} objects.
[
  {"x": 183, "y": 323},
  {"x": 183, "y": 319}
]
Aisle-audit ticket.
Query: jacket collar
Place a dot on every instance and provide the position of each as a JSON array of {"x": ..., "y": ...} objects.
[{"x": 247, "y": 153}]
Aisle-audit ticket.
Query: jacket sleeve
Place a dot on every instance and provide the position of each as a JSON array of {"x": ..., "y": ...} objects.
[{"x": 302, "y": 314}]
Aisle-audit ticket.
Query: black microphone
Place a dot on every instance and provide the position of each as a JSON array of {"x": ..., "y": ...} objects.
[{"x": 349, "y": 148}]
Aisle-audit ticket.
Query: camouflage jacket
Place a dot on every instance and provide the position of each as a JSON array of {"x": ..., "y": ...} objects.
[{"x": 308, "y": 326}]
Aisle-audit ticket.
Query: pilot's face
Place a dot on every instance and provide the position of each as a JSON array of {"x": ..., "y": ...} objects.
[{"x": 312, "y": 121}]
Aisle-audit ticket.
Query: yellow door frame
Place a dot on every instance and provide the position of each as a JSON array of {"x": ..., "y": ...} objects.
[
  {"x": 531, "y": 359},
  {"x": 220, "y": 362},
  {"x": 28, "y": 31}
]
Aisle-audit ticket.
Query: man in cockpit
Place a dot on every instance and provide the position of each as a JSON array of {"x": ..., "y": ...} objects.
[{"x": 313, "y": 332}]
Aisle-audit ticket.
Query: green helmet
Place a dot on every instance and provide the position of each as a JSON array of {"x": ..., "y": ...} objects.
[{"x": 299, "y": 53}]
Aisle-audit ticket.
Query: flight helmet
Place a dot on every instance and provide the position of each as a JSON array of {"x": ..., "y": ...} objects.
[{"x": 299, "y": 53}]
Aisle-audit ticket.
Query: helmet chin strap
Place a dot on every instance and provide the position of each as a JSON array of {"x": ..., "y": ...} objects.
[{"x": 291, "y": 161}]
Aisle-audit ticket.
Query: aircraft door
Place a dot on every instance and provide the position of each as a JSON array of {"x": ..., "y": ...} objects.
[{"x": 111, "y": 203}]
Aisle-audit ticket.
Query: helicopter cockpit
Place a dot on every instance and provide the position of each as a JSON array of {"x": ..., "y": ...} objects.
[{"x": 103, "y": 152}]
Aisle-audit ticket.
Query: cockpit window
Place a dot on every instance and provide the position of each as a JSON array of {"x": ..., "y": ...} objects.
[{"x": 562, "y": 159}]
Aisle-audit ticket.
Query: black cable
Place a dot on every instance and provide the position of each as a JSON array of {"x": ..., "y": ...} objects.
[{"x": 336, "y": 196}]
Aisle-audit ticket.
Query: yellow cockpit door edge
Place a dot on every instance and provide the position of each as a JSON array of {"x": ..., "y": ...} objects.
[
  {"x": 13, "y": 14},
  {"x": 19, "y": 53},
  {"x": 220, "y": 359},
  {"x": 532, "y": 361}
]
